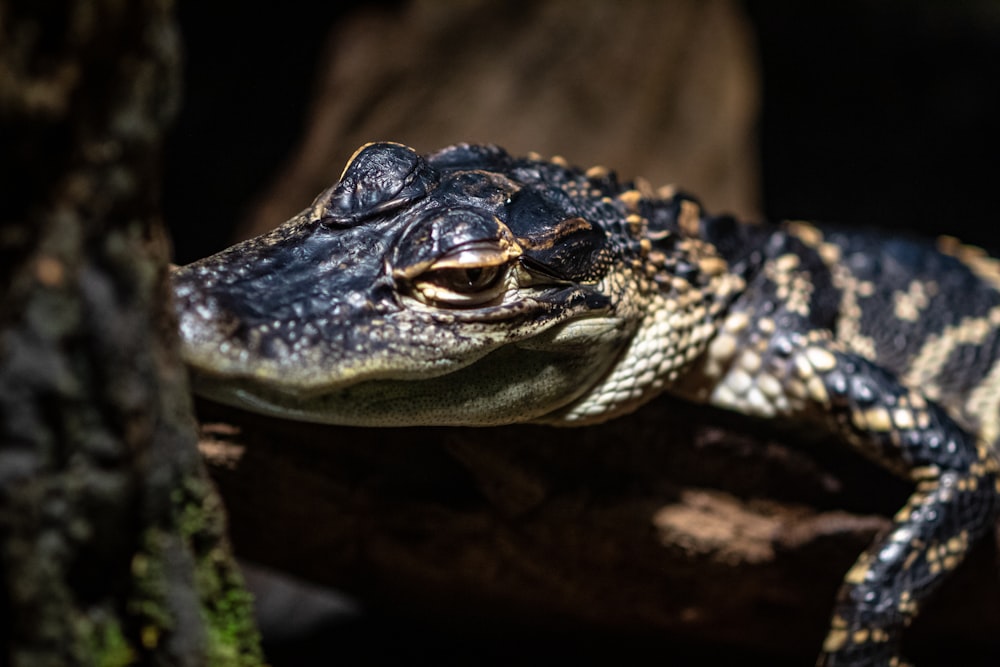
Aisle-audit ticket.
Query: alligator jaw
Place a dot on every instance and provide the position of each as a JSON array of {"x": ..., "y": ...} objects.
[{"x": 504, "y": 387}]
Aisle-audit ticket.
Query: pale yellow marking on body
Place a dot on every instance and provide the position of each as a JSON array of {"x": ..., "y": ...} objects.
[
  {"x": 631, "y": 199},
  {"x": 818, "y": 336},
  {"x": 949, "y": 554},
  {"x": 689, "y": 220},
  {"x": 721, "y": 351},
  {"x": 770, "y": 385},
  {"x": 802, "y": 366},
  {"x": 657, "y": 257},
  {"x": 926, "y": 365},
  {"x": 821, "y": 359},
  {"x": 793, "y": 287},
  {"x": 907, "y": 605},
  {"x": 713, "y": 266},
  {"x": 812, "y": 237},
  {"x": 902, "y": 418},
  {"x": 859, "y": 571},
  {"x": 968, "y": 484},
  {"x": 878, "y": 419},
  {"x": 737, "y": 322},
  {"x": 929, "y": 474},
  {"x": 739, "y": 381},
  {"x": 636, "y": 224},
  {"x": 750, "y": 361},
  {"x": 829, "y": 252},
  {"x": 860, "y": 421},
  {"x": 984, "y": 403},
  {"x": 668, "y": 191},
  {"x": 817, "y": 390},
  {"x": 597, "y": 172},
  {"x": 978, "y": 260},
  {"x": 645, "y": 246},
  {"x": 910, "y": 304},
  {"x": 805, "y": 232},
  {"x": 836, "y": 639},
  {"x": 786, "y": 263},
  {"x": 680, "y": 285},
  {"x": 796, "y": 388},
  {"x": 848, "y": 327}
]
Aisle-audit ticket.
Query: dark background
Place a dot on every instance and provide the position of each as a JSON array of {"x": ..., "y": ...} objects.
[{"x": 874, "y": 113}]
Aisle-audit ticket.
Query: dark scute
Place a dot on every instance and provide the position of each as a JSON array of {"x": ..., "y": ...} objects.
[
  {"x": 553, "y": 245},
  {"x": 381, "y": 177},
  {"x": 470, "y": 156},
  {"x": 686, "y": 271},
  {"x": 441, "y": 231},
  {"x": 665, "y": 218},
  {"x": 534, "y": 212},
  {"x": 738, "y": 244}
]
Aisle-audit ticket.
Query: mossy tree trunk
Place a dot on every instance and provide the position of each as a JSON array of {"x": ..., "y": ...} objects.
[{"x": 112, "y": 538}]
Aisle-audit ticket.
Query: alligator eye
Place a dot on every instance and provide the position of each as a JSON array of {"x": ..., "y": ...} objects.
[
  {"x": 469, "y": 278},
  {"x": 467, "y": 281}
]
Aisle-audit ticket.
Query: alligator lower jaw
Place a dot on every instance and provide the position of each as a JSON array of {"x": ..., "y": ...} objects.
[{"x": 508, "y": 386}]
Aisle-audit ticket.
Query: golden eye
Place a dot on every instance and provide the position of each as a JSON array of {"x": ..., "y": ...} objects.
[
  {"x": 466, "y": 280},
  {"x": 471, "y": 277},
  {"x": 473, "y": 274}
]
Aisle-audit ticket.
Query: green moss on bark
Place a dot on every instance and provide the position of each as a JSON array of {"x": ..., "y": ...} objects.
[
  {"x": 112, "y": 542},
  {"x": 225, "y": 609}
]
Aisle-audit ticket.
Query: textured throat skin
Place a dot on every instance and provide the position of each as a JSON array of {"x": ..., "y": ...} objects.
[{"x": 470, "y": 287}]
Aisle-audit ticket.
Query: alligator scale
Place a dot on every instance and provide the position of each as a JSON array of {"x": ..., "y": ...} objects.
[{"x": 469, "y": 287}]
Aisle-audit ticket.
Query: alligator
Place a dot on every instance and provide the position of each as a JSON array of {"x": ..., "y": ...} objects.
[{"x": 472, "y": 287}]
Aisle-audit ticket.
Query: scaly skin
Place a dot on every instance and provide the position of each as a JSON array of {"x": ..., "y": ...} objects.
[{"x": 472, "y": 288}]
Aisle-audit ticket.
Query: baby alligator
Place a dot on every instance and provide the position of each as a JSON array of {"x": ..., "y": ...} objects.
[{"x": 470, "y": 287}]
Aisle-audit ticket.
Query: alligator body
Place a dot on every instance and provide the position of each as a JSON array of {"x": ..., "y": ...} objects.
[{"x": 471, "y": 287}]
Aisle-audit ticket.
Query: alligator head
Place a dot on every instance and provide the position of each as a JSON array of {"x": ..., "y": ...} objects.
[{"x": 464, "y": 287}]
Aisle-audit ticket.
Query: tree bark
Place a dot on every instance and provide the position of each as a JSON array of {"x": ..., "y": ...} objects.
[{"x": 112, "y": 538}]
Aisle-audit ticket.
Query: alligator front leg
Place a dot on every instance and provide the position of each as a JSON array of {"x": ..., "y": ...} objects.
[
  {"x": 955, "y": 478},
  {"x": 954, "y": 503}
]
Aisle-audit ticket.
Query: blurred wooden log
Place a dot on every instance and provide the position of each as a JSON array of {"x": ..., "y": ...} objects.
[{"x": 675, "y": 522}]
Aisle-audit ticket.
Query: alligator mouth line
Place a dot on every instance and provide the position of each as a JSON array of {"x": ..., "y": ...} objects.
[{"x": 503, "y": 386}]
